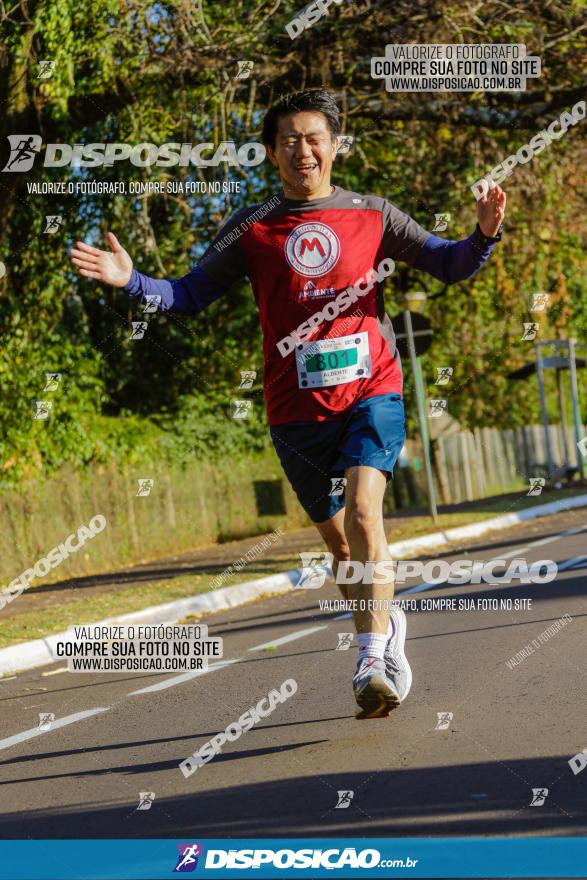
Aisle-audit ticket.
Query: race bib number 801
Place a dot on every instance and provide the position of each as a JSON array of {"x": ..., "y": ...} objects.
[{"x": 333, "y": 361}]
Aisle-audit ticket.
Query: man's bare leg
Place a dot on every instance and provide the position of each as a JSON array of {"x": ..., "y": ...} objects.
[
  {"x": 333, "y": 534},
  {"x": 367, "y": 543},
  {"x": 357, "y": 534},
  {"x": 364, "y": 493},
  {"x": 383, "y": 676}
]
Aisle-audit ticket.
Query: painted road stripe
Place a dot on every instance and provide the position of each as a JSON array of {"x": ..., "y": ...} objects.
[
  {"x": 538, "y": 543},
  {"x": 571, "y": 563},
  {"x": 298, "y": 634},
  {"x": 186, "y": 676},
  {"x": 61, "y": 722}
]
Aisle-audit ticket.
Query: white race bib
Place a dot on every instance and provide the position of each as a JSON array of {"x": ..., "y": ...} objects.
[{"x": 333, "y": 361}]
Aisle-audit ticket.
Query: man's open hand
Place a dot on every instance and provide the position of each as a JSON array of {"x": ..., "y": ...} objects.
[
  {"x": 491, "y": 209},
  {"x": 112, "y": 267}
]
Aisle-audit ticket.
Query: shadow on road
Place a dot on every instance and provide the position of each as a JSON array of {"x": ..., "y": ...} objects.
[{"x": 480, "y": 799}]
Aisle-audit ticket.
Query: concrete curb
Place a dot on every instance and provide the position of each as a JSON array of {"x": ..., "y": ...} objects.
[{"x": 28, "y": 655}]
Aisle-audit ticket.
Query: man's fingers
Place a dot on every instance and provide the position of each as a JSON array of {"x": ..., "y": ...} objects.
[
  {"x": 82, "y": 255},
  {"x": 88, "y": 274},
  {"x": 84, "y": 264},
  {"x": 483, "y": 190},
  {"x": 114, "y": 243},
  {"x": 82, "y": 246},
  {"x": 497, "y": 200}
]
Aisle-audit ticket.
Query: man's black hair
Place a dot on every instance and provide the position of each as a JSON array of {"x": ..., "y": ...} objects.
[{"x": 316, "y": 100}]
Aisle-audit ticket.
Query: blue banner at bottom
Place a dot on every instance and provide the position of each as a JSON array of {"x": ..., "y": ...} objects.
[{"x": 484, "y": 857}]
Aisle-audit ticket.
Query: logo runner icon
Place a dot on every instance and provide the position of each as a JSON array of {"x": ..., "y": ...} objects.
[
  {"x": 539, "y": 796},
  {"x": 23, "y": 150},
  {"x": 188, "y": 857},
  {"x": 312, "y": 249},
  {"x": 314, "y": 570}
]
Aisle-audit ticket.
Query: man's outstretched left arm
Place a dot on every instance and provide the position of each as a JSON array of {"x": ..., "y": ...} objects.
[
  {"x": 448, "y": 261},
  {"x": 452, "y": 261}
]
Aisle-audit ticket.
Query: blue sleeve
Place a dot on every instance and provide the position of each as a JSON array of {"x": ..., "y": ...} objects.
[
  {"x": 452, "y": 261},
  {"x": 186, "y": 296}
]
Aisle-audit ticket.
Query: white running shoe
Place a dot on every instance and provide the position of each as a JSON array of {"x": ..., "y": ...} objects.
[
  {"x": 396, "y": 663},
  {"x": 375, "y": 692}
]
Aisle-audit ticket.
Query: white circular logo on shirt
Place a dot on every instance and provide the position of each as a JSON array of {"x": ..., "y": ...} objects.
[{"x": 312, "y": 249}]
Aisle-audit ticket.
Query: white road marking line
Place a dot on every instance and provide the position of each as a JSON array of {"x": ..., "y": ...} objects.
[
  {"x": 516, "y": 552},
  {"x": 541, "y": 541},
  {"x": 61, "y": 722},
  {"x": 570, "y": 563},
  {"x": 575, "y": 531},
  {"x": 186, "y": 676},
  {"x": 344, "y": 616},
  {"x": 298, "y": 634},
  {"x": 538, "y": 543}
]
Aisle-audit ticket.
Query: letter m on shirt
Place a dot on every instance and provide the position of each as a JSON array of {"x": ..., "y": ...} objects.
[{"x": 310, "y": 245}]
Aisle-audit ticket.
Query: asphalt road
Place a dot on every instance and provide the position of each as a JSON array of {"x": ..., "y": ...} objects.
[{"x": 512, "y": 730}]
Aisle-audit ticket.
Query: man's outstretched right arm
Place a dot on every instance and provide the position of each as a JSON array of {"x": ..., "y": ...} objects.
[
  {"x": 216, "y": 271},
  {"x": 185, "y": 296}
]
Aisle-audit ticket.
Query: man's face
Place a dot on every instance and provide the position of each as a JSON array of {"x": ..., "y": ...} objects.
[{"x": 304, "y": 152}]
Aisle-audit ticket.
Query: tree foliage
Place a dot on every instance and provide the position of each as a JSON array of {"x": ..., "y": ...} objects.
[{"x": 130, "y": 71}]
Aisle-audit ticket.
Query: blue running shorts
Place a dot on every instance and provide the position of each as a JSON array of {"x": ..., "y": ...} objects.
[{"x": 372, "y": 433}]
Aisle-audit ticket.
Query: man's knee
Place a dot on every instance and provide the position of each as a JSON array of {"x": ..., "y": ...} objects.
[{"x": 363, "y": 522}]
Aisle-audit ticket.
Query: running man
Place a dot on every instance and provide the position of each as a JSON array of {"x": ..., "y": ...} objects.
[{"x": 317, "y": 253}]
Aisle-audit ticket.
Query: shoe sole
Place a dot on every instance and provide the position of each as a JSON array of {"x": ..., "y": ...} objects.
[
  {"x": 376, "y": 700},
  {"x": 400, "y": 618}
]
